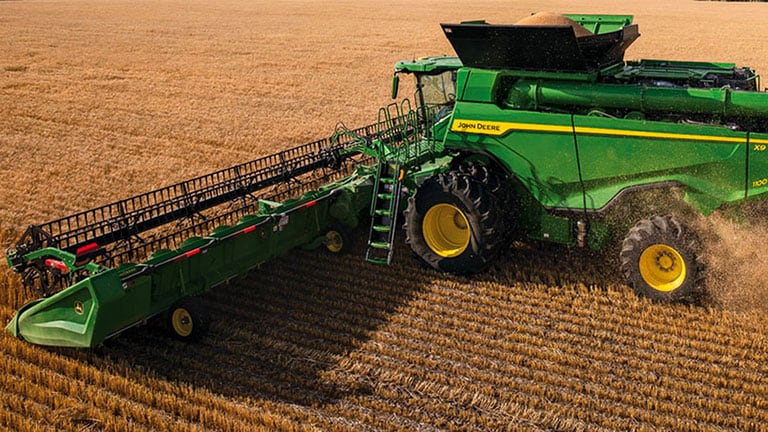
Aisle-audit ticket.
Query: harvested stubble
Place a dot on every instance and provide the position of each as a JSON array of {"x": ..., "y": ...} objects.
[
  {"x": 544, "y": 340},
  {"x": 306, "y": 343}
]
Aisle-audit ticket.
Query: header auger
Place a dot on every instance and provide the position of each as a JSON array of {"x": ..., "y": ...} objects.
[{"x": 536, "y": 131}]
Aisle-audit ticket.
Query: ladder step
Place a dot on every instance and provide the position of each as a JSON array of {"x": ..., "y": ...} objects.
[
  {"x": 385, "y": 210},
  {"x": 376, "y": 260}
]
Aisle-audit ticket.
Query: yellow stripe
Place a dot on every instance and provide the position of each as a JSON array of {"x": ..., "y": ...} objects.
[
  {"x": 500, "y": 128},
  {"x": 663, "y": 135}
]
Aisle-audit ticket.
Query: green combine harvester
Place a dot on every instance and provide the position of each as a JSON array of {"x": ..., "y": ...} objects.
[{"x": 535, "y": 131}]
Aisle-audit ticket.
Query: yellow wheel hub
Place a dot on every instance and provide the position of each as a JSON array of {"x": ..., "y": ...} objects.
[
  {"x": 333, "y": 241},
  {"x": 662, "y": 267},
  {"x": 182, "y": 322},
  {"x": 446, "y": 230}
]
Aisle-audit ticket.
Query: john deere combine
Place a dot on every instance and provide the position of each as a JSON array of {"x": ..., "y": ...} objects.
[{"x": 536, "y": 130}]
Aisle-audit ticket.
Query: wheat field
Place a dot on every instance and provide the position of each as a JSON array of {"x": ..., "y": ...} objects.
[{"x": 100, "y": 100}]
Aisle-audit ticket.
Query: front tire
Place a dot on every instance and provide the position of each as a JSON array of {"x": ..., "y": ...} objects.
[
  {"x": 452, "y": 224},
  {"x": 661, "y": 260}
]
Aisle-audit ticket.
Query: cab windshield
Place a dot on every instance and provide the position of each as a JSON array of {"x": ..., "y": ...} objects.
[
  {"x": 438, "y": 89},
  {"x": 437, "y": 93}
]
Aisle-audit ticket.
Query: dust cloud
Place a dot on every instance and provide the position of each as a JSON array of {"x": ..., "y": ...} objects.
[{"x": 735, "y": 242}]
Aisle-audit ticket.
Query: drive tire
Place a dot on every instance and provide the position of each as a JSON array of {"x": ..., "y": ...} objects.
[
  {"x": 661, "y": 261},
  {"x": 452, "y": 224},
  {"x": 497, "y": 186}
]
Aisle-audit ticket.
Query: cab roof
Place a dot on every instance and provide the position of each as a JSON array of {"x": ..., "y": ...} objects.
[{"x": 428, "y": 65}]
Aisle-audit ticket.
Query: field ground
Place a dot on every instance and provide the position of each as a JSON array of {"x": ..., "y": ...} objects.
[{"x": 103, "y": 99}]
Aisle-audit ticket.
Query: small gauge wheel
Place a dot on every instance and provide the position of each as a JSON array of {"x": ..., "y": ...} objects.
[
  {"x": 336, "y": 240},
  {"x": 187, "y": 320}
]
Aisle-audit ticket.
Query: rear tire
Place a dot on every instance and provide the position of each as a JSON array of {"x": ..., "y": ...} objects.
[
  {"x": 452, "y": 224},
  {"x": 660, "y": 260},
  {"x": 187, "y": 319}
]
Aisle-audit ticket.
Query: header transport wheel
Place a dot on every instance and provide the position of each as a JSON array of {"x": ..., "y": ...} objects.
[
  {"x": 187, "y": 320},
  {"x": 335, "y": 240},
  {"x": 452, "y": 223},
  {"x": 660, "y": 260}
]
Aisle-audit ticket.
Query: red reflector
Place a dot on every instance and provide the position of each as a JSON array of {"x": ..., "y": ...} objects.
[
  {"x": 188, "y": 254},
  {"x": 310, "y": 204},
  {"x": 56, "y": 264},
  {"x": 91, "y": 247},
  {"x": 249, "y": 229}
]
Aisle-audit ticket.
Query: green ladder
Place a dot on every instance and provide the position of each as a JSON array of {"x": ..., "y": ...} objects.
[
  {"x": 397, "y": 147},
  {"x": 384, "y": 209}
]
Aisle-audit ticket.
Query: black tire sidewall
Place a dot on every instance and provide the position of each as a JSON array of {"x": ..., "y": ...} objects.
[{"x": 432, "y": 193}]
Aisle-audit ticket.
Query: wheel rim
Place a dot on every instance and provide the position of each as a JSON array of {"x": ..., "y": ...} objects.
[
  {"x": 334, "y": 242},
  {"x": 662, "y": 267},
  {"x": 446, "y": 230},
  {"x": 182, "y": 322}
]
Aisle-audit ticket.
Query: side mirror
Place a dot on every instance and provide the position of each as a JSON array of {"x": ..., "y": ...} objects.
[{"x": 395, "y": 85}]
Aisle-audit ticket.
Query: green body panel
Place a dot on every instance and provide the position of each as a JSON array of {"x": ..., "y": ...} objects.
[
  {"x": 757, "y": 172},
  {"x": 541, "y": 148},
  {"x": 617, "y": 154},
  {"x": 480, "y": 88},
  {"x": 112, "y": 300},
  {"x": 544, "y": 162}
]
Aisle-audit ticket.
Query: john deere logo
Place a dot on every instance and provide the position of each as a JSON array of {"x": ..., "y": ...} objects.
[
  {"x": 474, "y": 126},
  {"x": 79, "y": 308}
]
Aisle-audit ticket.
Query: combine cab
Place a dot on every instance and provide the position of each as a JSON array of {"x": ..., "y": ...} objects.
[{"x": 536, "y": 130}]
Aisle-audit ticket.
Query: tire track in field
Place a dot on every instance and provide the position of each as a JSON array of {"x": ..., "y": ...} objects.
[{"x": 309, "y": 307}]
